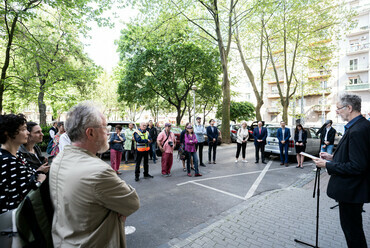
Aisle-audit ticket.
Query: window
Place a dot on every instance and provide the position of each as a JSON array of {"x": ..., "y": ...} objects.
[
  {"x": 353, "y": 64},
  {"x": 355, "y": 80},
  {"x": 324, "y": 84}
]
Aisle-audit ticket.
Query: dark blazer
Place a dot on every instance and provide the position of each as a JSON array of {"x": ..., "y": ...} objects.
[
  {"x": 350, "y": 167},
  {"x": 34, "y": 160},
  {"x": 304, "y": 137},
  {"x": 212, "y": 135},
  {"x": 262, "y": 136},
  {"x": 280, "y": 134},
  {"x": 331, "y": 136}
]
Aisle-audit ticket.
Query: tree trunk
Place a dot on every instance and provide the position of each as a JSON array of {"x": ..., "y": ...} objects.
[
  {"x": 258, "y": 111},
  {"x": 42, "y": 107},
  {"x": 285, "y": 113},
  {"x": 7, "y": 60},
  {"x": 178, "y": 117}
]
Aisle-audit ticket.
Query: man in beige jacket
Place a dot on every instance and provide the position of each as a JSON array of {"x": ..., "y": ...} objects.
[{"x": 90, "y": 201}]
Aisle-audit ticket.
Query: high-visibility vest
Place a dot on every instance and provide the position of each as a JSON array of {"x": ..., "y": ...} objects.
[{"x": 142, "y": 147}]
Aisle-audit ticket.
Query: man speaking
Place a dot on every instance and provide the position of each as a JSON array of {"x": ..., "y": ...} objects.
[{"x": 349, "y": 168}]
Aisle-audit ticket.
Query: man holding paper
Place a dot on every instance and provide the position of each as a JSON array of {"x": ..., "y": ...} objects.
[{"x": 349, "y": 168}]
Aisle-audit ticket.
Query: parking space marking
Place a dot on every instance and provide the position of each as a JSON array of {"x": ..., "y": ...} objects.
[
  {"x": 218, "y": 190},
  {"x": 252, "y": 189},
  {"x": 258, "y": 181}
]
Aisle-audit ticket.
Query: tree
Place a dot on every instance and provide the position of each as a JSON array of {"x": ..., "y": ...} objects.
[
  {"x": 239, "y": 111},
  {"x": 293, "y": 26},
  {"x": 215, "y": 24},
  {"x": 17, "y": 15},
  {"x": 169, "y": 72}
]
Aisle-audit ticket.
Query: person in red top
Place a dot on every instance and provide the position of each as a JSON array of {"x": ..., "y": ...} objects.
[
  {"x": 190, "y": 142},
  {"x": 166, "y": 142}
]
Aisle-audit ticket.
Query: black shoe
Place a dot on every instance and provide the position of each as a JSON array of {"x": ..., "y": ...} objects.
[
  {"x": 137, "y": 179},
  {"x": 203, "y": 165},
  {"x": 148, "y": 176},
  {"x": 126, "y": 162},
  {"x": 263, "y": 162},
  {"x": 256, "y": 162},
  {"x": 192, "y": 168}
]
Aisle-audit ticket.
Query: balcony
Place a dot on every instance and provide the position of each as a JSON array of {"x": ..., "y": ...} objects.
[
  {"x": 274, "y": 94},
  {"x": 273, "y": 110},
  {"x": 358, "y": 48},
  {"x": 356, "y": 69},
  {"x": 274, "y": 82},
  {"x": 319, "y": 108},
  {"x": 359, "y": 31},
  {"x": 317, "y": 75},
  {"x": 358, "y": 87},
  {"x": 319, "y": 91}
]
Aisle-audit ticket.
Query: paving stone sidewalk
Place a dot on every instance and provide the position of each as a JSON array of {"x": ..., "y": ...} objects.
[{"x": 273, "y": 219}]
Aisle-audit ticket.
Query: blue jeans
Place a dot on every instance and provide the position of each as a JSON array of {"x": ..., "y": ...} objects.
[
  {"x": 328, "y": 149},
  {"x": 153, "y": 147},
  {"x": 284, "y": 147},
  {"x": 195, "y": 162}
]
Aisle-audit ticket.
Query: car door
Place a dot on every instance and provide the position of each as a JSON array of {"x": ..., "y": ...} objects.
[{"x": 315, "y": 142}]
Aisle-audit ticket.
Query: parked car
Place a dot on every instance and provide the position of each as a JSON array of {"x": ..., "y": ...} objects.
[
  {"x": 339, "y": 127},
  {"x": 272, "y": 143}
]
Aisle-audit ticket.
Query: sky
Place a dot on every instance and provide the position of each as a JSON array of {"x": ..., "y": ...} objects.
[{"x": 101, "y": 47}]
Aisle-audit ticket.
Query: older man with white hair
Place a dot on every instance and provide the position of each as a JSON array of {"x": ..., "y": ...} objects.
[
  {"x": 143, "y": 140},
  {"x": 90, "y": 201}
]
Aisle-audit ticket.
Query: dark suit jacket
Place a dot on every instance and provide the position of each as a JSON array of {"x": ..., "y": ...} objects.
[
  {"x": 286, "y": 134},
  {"x": 262, "y": 136},
  {"x": 331, "y": 136},
  {"x": 350, "y": 167},
  {"x": 212, "y": 135},
  {"x": 304, "y": 137}
]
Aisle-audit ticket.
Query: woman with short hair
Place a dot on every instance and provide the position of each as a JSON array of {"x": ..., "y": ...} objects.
[
  {"x": 300, "y": 139},
  {"x": 17, "y": 177},
  {"x": 241, "y": 141}
]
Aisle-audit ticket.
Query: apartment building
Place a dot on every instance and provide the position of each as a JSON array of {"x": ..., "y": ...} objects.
[{"x": 353, "y": 69}]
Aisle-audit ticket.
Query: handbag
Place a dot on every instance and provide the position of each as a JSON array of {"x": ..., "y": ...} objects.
[{"x": 158, "y": 151}]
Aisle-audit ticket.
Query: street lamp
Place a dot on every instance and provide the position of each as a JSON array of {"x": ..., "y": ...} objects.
[{"x": 194, "y": 88}]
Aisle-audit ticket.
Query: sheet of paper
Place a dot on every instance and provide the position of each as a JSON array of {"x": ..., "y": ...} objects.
[{"x": 308, "y": 155}]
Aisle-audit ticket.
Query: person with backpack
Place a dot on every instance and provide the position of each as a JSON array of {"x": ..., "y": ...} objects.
[{"x": 166, "y": 142}]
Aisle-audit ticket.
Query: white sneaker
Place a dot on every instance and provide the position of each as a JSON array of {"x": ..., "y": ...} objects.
[
  {"x": 236, "y": 161},
  {"x": 245, "y": 161}
]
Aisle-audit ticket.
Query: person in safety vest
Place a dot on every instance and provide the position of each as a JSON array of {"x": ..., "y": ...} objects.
[{"x": 143, "y": 140}]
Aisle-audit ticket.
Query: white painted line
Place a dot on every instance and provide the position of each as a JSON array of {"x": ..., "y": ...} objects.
[
  {"x": 218, "y": 190},
  {"x": 258, "y": 181},
  {"x": 232, "y": 175}
]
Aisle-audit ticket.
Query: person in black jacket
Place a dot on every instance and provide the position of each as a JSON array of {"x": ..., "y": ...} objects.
[
  {"x": 153, "y": 146},
  {"x": 349, "y": 168},
  {"x": 212, "y": 134},
  {"x": 300, "y": 139},
  {"x": 327, "y": 136}
]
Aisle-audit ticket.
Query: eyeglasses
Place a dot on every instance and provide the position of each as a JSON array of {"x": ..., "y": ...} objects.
[{"x": 341, "y": 108}]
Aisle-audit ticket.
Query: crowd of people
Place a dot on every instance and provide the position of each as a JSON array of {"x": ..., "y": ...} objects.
[{"x": 91, "y": 202}]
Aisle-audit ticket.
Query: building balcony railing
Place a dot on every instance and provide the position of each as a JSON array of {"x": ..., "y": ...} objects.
[
  {"x": 359, "y": 30},
  {"x": 273, "y": 95},
  {"x": 319, "y": 92},
  {"x": 319, "y": 75},
  {"x": 356, "y": 69},
  {"x": 358, "y": 48},
  {"x": 319, "y": 108},
  {"x": 358, "y": 87},
  {"x": 273, "y": 110}
]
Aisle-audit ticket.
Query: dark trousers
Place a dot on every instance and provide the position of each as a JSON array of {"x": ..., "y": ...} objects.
[
  {"x": 212, "y": 146},
  {"x": 351, "y": 221},
  {"x": 242, "y": 147},
  {"x": 200, "y": 145},
  {"x": 284, "y": 147},
  {"x": 260, "y": 146},
  {"x": 139, "y": 156}
]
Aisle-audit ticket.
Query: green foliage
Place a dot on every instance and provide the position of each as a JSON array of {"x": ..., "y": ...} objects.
[
  {"x": 239, "y": 111},
  {"x": 165, "y": 63},
  {"x": 45, "y": 141}
]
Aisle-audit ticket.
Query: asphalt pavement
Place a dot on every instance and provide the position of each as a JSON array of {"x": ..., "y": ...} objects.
[{"x": 250, "y": 199}]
